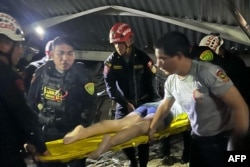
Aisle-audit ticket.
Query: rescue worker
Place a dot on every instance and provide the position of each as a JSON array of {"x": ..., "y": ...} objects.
[
  {"x": 216, "y": 110},
  {"x": 129, "y": 75},
  {"x": 31, "y": 67},
  {"x": 61, "y": 93},
  {"x": 18, "y": 123},
  {"x": 233, "y": 65}
]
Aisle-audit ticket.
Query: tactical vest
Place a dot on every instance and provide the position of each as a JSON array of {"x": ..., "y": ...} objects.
[{"x": 54, "y": 93}]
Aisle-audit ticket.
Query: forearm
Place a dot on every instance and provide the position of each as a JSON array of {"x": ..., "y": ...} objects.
[
  {"x": 117, "y": 96},
  {"x": 161, "y": 113},
  {"x": 241, "y": 116},
  {"x": 240, "y": 111},
  {"x": 113, "y": 92}
]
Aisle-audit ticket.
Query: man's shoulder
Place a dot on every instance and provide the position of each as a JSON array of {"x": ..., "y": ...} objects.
[
  {"x": 49, "y": 65},
  {"x": 205, "y": 67},
  {"x": 170, "y": 78},
  {"x": 206, "y": 71},
  {"x": 113, "y": 58}
]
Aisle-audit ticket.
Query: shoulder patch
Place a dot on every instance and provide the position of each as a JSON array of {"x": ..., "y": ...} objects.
[
  {"x": 90, "y": 88},
  {"x": 207, "y": 55},
  {"x": 152, "y": 67},
  {"x": 222, "y": 76},
  {"x": 108, "y": 64}
]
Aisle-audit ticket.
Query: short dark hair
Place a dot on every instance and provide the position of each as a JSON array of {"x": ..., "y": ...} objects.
[
  {"x": 62, "y": 40},
  {"x": 173, "y": 42}
]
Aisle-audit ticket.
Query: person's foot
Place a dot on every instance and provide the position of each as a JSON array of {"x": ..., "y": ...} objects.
[
  {"x": 76, "y": 134},
  {"x": 102, "y": 148}
]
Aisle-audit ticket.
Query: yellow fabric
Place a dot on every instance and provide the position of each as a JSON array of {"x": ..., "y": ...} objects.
[{"x": 77, "y": 150}]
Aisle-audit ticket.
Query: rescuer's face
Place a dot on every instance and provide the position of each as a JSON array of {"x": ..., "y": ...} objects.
[
  {"x": 17, "y": 53},
  {"x": 63, "y": 56},
  {"x": 167, "y": 64},
  {"x": 120, "y": 48}
]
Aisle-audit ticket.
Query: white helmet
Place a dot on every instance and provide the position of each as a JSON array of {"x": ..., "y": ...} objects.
[
  {"x": 10, "y": 27},
  {"x": 214, "y": 42},
  {"x": 48, "y": 48}
]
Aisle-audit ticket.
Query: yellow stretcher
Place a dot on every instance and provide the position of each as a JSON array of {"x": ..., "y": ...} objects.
[{"x": 77, "y": 150}]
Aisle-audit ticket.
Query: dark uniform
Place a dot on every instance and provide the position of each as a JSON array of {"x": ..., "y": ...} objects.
[
  {"x": 18, "y": 123},
  {"x": 62, "y": 100},
  {"x": 132, "y": 81},
  {"x": 29, "y": 71},
  {"x": 233, "y": 65}
]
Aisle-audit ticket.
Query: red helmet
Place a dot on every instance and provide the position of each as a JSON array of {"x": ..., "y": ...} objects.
[{"x": 120, "y": 32}]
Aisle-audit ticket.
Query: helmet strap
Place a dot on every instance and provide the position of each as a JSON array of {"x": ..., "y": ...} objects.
[{"x": 128, "y": 49}]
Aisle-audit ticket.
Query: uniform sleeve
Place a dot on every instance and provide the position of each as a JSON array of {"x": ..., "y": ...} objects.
[
  {"x": 13, "y": 97},
  {"x": 29, "y": 70},
  {"x": 34, "y": 90},
  {"x": 87, "y": 93},
  {"x": 217, "y": 80},
  {"x": 151, "y": 77},
  {"x": 90, "y": 88},
  {"x": 110, "y": 82}
]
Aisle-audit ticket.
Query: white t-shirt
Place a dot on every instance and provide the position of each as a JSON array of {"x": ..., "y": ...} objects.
[{"x": 198, "y": 94}]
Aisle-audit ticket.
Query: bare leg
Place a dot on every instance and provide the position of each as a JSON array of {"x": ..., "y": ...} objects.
[
  {"x": 102, "y": 127},
  {"x": 108, "y": 142}
]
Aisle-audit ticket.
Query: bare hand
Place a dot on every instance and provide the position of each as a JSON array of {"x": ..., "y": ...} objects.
[
  {"x": 36, "y": 157},
  {"x": 130, "y": 107},
  {"x": 29, "y": 148},
  {"x": 32, "y": 149},
  {"x": 151, "y": 133}
]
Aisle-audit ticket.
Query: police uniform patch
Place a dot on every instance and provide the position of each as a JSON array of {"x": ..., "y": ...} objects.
[
  {"x": 90, "y": 88},
  {"x": 222, "y": 75},
  {"x": 52, "y": 94},
  {"x": 108, "y": 64},
  {"x": 207, "y": 55}
]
